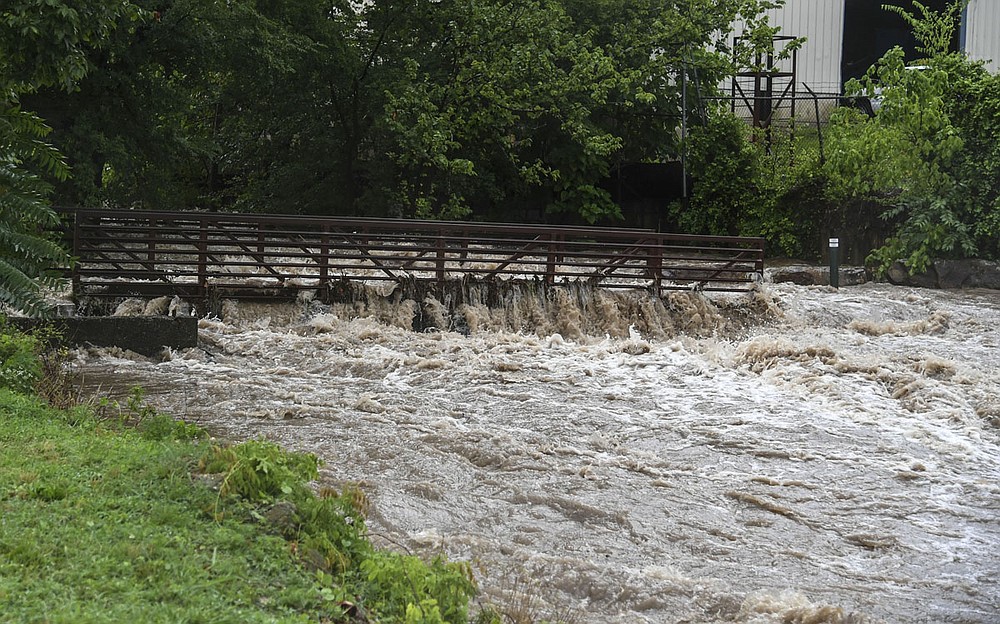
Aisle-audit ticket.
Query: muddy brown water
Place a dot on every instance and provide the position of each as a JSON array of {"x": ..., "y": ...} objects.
[{"x": 832, "y": 457}]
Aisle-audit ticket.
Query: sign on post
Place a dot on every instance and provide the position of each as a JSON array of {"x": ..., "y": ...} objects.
[{"x": 834, "y": 263}]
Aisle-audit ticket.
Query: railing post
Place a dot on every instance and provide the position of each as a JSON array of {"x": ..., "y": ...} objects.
[
  {"x": 324, "y": 257},
  {"x": 440, "y": 256},
  {"x": 760, "y": 260},
  {"x": 77, "y": 256},
  {"x": 550, "y": 263},
  {"x": 151, "y": 246},
  {"x": 654, "y": 262},
  {"x": 203, "y": 256}
]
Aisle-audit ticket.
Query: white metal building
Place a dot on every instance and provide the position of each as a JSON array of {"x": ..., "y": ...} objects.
[
  {"x": 980, "y": 36},
  {"x": 844, "y": 37}
]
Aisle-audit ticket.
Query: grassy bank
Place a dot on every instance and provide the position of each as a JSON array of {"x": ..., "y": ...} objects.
[
  {"x": 110, "y": 526},
  {"x": 113, "y": 513}
]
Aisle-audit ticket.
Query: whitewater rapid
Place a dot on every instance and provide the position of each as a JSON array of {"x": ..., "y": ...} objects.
[{"x": 828, "y": 456}]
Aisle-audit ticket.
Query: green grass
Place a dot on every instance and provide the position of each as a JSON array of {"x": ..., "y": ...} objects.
[
  {"x": 114, "y": 520},
  {"x": 99, "y": 525},
  {"x": 115, "y": 513}
]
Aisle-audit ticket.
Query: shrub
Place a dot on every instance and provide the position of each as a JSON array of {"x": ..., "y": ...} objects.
[
  {"x": 407, "y": 589},
  {"x": 328, "y": 532},
  {"x": 20, "y": 366},
  {"x": 261, "y": 472}
]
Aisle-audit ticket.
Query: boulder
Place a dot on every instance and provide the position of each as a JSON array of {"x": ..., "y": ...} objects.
[
  {"x": 803, "y": 275},
  {"x": 899, "y": 275},
  {"x": 968, "y": 273},
  {"x": 812, "y": 275}
]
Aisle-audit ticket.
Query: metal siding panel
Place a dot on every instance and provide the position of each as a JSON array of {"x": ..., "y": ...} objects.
[
  {"x": 822, "y": 23},
  {"x": 983, "y": 32}
]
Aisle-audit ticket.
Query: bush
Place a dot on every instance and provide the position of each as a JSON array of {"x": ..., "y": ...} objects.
[
  {"x": 20, "y": 366},
  {"x": 743, "y": 188},
  {"x": 412, "y": 591},
  {"x": 328, "y": 532}
]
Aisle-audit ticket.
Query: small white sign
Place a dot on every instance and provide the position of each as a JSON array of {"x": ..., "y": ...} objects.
[{"x": 834, "y": 242}]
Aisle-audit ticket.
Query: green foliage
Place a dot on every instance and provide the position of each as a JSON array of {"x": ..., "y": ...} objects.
[
  {"x": 108, "y": 527},
  {"x": 28, "y": 250},
  {"x": 407, "y": 589},
  {"x": 163, "y": 427},
  {"x": 43, "y": 43},
  {"x": 35, "y": 362},
  {"x": 742, "y": 188},
  {"x": 974, "y": 108},
  {"x": 261, "y": 471},
  {"x": 919, "y": 181},
  {"x": 135, "y": 413},
  {"x": 727, "y": 168},
  {"x": 143, "y": 548},
  {"x": 922, "y": 158},
  {"x": 329, "y": 534},
  {"x": 330, "y": 528},
  {"x": 20, "y": 367},
  {"x": 427, "y": 109},
  {"x": 933, "y": 30}
]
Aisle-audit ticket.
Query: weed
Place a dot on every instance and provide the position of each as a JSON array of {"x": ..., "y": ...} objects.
[
  {"x": 136, "y": 413},
  {"x": 406, "y": 587},
  {"x": 20, "y": 368},
  {"x": 522, "y": 599},
  {"x": 260, "y": 471}
]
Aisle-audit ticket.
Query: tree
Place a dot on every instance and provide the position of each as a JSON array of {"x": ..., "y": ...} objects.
[
  {"x": 535, "y": 102},
  {"x": 26, "y": 252},
  {"x": 41, "y": 43},
  {"x": 432, "y": 108},
  {"x": 928, "y": 153}
]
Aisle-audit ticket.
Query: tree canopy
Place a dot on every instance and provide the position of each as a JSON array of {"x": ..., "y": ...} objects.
[
  {"x": 44, "y": 44},
  {"x": 433, "y": 108}
]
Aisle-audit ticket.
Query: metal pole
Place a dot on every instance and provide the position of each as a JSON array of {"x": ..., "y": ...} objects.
[
  {"x": 819, "y": 128},
  {"x": 684, "y": 119},
  {"x": 834, "y": 263}
]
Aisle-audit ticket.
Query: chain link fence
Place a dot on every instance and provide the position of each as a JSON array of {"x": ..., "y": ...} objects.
[{"x": 800, "y": 115}]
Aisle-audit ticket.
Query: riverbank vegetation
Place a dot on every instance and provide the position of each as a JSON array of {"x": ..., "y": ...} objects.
[
  {"x": 916, "y": 181},
  {"x": 111, "y": 512}
]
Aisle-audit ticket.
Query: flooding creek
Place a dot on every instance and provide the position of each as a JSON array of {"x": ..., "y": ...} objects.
[{"x": 833, "y": 456}]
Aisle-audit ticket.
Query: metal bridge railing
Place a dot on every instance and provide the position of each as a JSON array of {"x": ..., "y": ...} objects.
[{"x": 244, "y": 255}]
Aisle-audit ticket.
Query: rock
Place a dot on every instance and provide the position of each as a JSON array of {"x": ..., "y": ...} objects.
[
  {"x": 283, "y": 517},
  {"x": 968, "y": 273},
  {"x": 853, "y": 275},
  {"x": 801, "y": 275},
  {"x": 811, "y": 275},
  {"x": 899, "y": 275},
  {"x": 951, "y": 273}
]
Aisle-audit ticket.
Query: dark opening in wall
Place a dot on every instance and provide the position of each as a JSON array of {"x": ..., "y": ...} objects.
[{"x": 870, "y": 31}]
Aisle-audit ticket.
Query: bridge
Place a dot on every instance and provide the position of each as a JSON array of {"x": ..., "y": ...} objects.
[{"x": 198, "y": 255}]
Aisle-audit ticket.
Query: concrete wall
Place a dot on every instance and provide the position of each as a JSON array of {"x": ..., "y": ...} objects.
[{"x": 147, "y": 335}]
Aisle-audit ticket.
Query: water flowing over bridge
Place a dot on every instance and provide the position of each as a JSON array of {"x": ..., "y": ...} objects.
[{"x": 199, "y": 255}]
